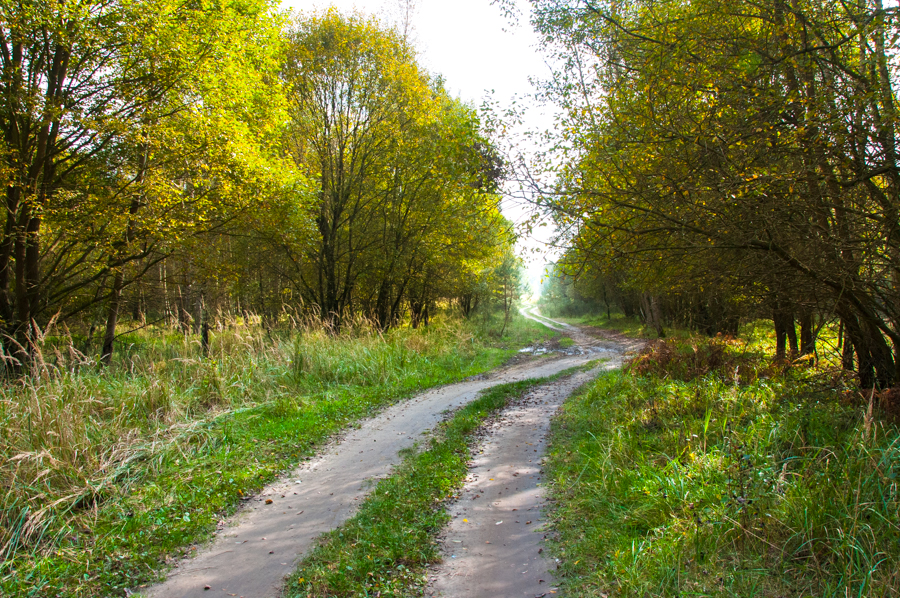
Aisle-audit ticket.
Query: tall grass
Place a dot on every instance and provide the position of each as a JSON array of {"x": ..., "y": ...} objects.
[
  {"x": 775, "y": 484},
  {"x": 106, "y": 472}
]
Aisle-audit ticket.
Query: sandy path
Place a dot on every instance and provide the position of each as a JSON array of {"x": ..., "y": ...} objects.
[
  {"x": 265, "y": 540},
  {"x": 492, "y": 546}
]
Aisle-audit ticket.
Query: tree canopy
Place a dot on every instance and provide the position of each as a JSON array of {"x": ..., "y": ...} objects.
[
  {"x": 741, "y": 151},
  {"x": 179, "y": 159}
]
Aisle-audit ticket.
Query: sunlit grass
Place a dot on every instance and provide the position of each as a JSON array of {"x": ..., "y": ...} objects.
[
  {"x": 107, "y": 473},
  {"x": 717, "y": 485},
  {"x": 617, "y": 323}
]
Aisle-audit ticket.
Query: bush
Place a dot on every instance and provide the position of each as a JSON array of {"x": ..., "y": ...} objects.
[{"x": 722, "y": 357}]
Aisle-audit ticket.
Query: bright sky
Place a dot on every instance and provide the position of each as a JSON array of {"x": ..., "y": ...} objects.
[{"x": 480, "y": 54}]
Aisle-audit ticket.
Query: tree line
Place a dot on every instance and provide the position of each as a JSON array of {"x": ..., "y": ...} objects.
[
  {"x": 721, "y": 160},
  {"x": 168, "y": 161}
]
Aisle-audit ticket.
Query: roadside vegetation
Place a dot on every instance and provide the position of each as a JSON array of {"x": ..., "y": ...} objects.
[
  {"x": 385, "y": 548},
  {"x": 108, "y": 474},
  {"x": 718, "y": 162},
  {"x": 706, "y": 469}
]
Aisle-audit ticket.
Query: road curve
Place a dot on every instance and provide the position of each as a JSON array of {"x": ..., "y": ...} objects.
[{"x": 262, "y": 543}]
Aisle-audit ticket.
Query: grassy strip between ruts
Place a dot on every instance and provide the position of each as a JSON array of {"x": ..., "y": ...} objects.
[
  {"x": 384, "y": 549},
  {"x": 144, "y": 460},
  {"x": 667, "y": 484}
]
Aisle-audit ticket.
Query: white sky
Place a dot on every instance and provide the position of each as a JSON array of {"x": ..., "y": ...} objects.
[{"x": 480, "y": 54}]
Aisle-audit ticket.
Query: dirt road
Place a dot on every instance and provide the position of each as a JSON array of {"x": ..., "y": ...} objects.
[
  {"x": 492, "y": 546},
  {"x": 263, "y": 543}
]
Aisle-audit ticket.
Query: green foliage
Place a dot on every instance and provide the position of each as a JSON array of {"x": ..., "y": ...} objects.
[
  {"x": 707, "y": 487},
  {"x": 127, "y": 128},
  {"x": 711, "y": 153},
  {"x": 406, "y": 210}
]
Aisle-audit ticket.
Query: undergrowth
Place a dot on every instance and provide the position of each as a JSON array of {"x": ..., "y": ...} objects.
[
  {"x": 385, "y": 548},
  {"x": 686, "y": 476},
  {"x": 723, "y": 357},
  {"x": 108, "y": 474}
]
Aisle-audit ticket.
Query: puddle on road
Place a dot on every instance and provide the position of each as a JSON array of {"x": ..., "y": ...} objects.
[
  {"x": 535, "y": 350},
  {"x": 569, "y": 351}
]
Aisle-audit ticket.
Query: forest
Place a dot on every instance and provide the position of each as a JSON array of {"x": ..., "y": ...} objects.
[
  {"x": 235, "y": 236},
  {"x": 724, "y": 161},
  {"x": 227, "y": 227},
  {"x": 174, "y": 162}
]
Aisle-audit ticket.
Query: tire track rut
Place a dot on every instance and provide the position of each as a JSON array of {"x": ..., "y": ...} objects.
[{"x": 263, "y": 543}]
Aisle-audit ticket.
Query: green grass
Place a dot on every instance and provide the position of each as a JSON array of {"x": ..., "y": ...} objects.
[
  {"x": 770, "y": 485},
  {"x": 384, "y": 549},
  {"x": 108, "y": 474},
  {"x": 520, "y": 331}
]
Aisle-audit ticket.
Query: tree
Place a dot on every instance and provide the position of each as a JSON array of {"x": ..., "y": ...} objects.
[
  {"x": 354, "y": 87},
  {"x": 748, "y": 147},
  {"x": 406, "y": 181},
  {"x": 98, "y": 100}
]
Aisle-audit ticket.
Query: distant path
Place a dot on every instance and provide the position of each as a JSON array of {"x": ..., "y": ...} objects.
[
  {"x": 263, "y": 543},
  {"x": 532, "y": 314},
  {"x": 587, "y": 338}
]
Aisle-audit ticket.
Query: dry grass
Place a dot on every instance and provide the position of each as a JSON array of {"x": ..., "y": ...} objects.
[{"x": 75, "y": 437}]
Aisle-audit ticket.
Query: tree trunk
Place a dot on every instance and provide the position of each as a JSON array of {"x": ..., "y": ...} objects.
[
  {"x": 112, "y": 318},
  {"x": 204, "y": 323},
  {"x": 807, "y": 333},
  {"x": 652, "y": 315},
  {"x": 785, "y": 333},
  {"x": 846, "y": 348},
  {"x": 415, "y": 313},
  {"x": 383, "y": 304},
  {"x": 874, "y": 358},
  {"x": 606, "y": 302},
  {"x": 780, "y": 335},
  {"x": 791, "y": 334}
]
